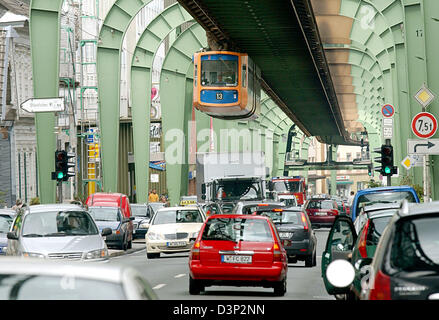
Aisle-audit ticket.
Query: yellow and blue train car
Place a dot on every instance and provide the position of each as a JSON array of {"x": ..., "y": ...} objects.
[{"x": 226, "y": 85}]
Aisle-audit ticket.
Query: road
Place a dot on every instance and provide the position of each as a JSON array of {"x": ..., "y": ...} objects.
[{"x": 169, "y": 277}]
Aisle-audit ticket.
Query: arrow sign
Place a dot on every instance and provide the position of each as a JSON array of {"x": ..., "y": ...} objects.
[
  {"x": 43, "y": 105},
  {"x": 430, "y": 146}
]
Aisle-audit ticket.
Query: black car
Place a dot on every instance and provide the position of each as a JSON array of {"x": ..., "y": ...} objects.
[
  {"x": 142, "y": 213},
  {"x": 406, "y": 262},
  {"x": 295, "y": 232},
  {"x": 405, "y": 265}
]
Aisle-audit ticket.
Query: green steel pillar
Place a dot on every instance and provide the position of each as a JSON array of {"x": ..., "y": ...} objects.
[{"x": 44, "y": 28}]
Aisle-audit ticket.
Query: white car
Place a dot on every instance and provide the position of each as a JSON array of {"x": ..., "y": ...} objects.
[{"x": 173, "y": 230}]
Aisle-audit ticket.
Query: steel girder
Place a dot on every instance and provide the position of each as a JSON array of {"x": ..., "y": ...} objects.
[
  {"x": 44, "y": 26},
  {"x": 108, "y": 64}
]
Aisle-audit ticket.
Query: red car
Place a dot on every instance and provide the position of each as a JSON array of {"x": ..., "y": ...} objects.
[
  {"x": 238, "y": 250},
  {"x": 322, "y": 212}
]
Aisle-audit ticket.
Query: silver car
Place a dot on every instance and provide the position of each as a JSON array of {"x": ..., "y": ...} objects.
[
  {"x": 57, "y": 231},
  {"x": 38, "y": 279}
]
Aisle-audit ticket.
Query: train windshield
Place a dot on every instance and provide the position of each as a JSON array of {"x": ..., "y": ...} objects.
[
  {"x": 219, "y": 70},
  {"x": 287, "y": 186}
]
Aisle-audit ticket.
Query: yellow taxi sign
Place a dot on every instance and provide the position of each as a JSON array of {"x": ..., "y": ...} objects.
[{"x": 187, "y": 202}]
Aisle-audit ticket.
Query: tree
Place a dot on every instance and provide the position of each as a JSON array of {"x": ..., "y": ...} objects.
[{"x": 374, "y": 184}]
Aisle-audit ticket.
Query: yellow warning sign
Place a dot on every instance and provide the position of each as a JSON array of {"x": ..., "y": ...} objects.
[{"x": 407, "y": 162}]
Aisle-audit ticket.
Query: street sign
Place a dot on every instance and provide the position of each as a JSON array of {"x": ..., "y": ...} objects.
[
  {"x": 424, "y": 125},
  {"x": 387, "y": 128},
  {"x": 388, "y": 111},
  {"x": 43, "y": 105},
  {"x": 424, "y": 96},
  {"x": 430, "y": 146}
]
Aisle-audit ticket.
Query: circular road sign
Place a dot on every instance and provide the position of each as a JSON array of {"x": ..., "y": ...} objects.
[
  {"x": 424, "y": 125},
  {"x": 388, "y": 111}
]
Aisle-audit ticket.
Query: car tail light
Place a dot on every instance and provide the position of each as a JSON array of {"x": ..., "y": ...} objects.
[
  {"x": 362, "y": 244},
  {"x": 208, "y": 213},
  {"x": 117, "y": 231},
  {"x": 263, "y": 205},
  {"x": 381, "y": 287},
  {"x": 310, "y": 213},
  {"x": 305, "y": 222},
  {"x": 195, "y": 252},
  {"x": 277, "y": 255},
  {"x": 277, "y": 210}
]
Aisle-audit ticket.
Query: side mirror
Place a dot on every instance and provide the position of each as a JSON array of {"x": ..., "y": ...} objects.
[
  {"x": 340, "y": 273},
  {"x": 12, "y": 236},
  {"x": 106, "y": 232}
]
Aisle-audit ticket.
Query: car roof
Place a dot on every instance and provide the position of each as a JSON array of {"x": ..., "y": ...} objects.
[
  {"x": 382, "y": 206},
  {"x": 29, "y": 266},
  {"x": 390, "y": 188},
  {"x": 268, "y": 203},
  {"x": 54, "y": 207},
  {"x": 138, "y": 205},
  {"x": 419, "y": 208},
  {"x": 178, "y": 208},
  {"x": 236, "y": 216}
]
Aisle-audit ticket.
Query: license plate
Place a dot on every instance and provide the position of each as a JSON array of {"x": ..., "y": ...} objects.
[
  {"x": 176, "y": 244},
  {"x": 321, "y": 213},
  {"x": 219, "y": 96},
  {"x": 286, "y": 235},
  {"x": 236, "y": 259}
]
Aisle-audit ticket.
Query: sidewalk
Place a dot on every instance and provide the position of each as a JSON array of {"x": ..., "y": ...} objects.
[{"x": 138, "y": 245}]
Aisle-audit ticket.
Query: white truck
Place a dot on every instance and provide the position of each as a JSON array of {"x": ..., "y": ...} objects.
[{"x": 231, "y": 177}]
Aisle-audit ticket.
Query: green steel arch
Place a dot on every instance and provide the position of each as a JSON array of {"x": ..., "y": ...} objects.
[{"x": 141, "y": 82}]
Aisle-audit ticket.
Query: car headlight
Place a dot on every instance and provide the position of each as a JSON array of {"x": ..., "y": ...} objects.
[
  {"x": 97, "y": 254},
  {"x": 155, "y": 236},
  {"x": 144, "y": 225},
  {"x": 33, "y": 255}
]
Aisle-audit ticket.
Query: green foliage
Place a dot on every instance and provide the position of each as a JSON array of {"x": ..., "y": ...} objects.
[
  {"x": 407, "y": 181},
  {"x": 374, "y": 184},
  {"x": 34, "y": 201}
]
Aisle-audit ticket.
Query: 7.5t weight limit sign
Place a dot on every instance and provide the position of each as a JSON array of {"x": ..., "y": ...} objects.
[{"x": 424, "y": 125}]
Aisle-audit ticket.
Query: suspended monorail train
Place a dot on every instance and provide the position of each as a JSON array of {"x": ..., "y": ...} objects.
[{"x": 227, "y": 85}]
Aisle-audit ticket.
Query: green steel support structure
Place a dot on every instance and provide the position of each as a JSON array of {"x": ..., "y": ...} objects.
[{"x": 44, "y": 26}]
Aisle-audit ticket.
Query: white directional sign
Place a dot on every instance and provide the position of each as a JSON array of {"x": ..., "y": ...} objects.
[
  {"x": 43, "y": 105},
  {"x": 430, "y": 146}
]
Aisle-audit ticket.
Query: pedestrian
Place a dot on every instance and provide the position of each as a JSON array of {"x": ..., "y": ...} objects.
[
  {"x": 153, "y": 196},
  {"x": 351, "y": 198},
  {"x": 18, "y": 204}
]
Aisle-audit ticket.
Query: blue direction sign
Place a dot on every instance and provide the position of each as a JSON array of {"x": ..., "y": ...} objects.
[{"x": 388, "y": 111}]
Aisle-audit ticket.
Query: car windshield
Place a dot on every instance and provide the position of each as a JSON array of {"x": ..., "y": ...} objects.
[
  {"x": 284, "y": 217},
  {"x": 5, "y": 223},
  {"x": 157, "y": 205},
  {"x": 105, "y": 213},
  {"x": 64, "y": 223},
  {"x": 416, "y": 245},
  {"x": 234, "y": 190},
  {"x": 384, "y": 197},
  {"x": 42, "y": 287},
  {"x": 237, "y": 229},
  {"x": 319, "y": 204},
  {"x": 290, "y": 202},
  {"x": 139, "y": 211},
  {"x": 290, "y": 186},
  {"x": 177, "y": 216},
  {"x": 219, "y": 70}
]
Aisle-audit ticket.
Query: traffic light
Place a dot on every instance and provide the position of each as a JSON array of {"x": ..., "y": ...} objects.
[
  {"x": 62, "y": 166},
  {"x": 386, "y": 160}
]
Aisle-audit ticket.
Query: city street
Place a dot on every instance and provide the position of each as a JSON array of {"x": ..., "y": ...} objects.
[{"x": 169, "y": 277}]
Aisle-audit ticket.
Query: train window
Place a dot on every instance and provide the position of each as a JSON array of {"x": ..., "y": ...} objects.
[
  {"x": 195, "y": 74},
  {"x": 220, "y": 71},
  {"x": 244, "y": 75}
]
